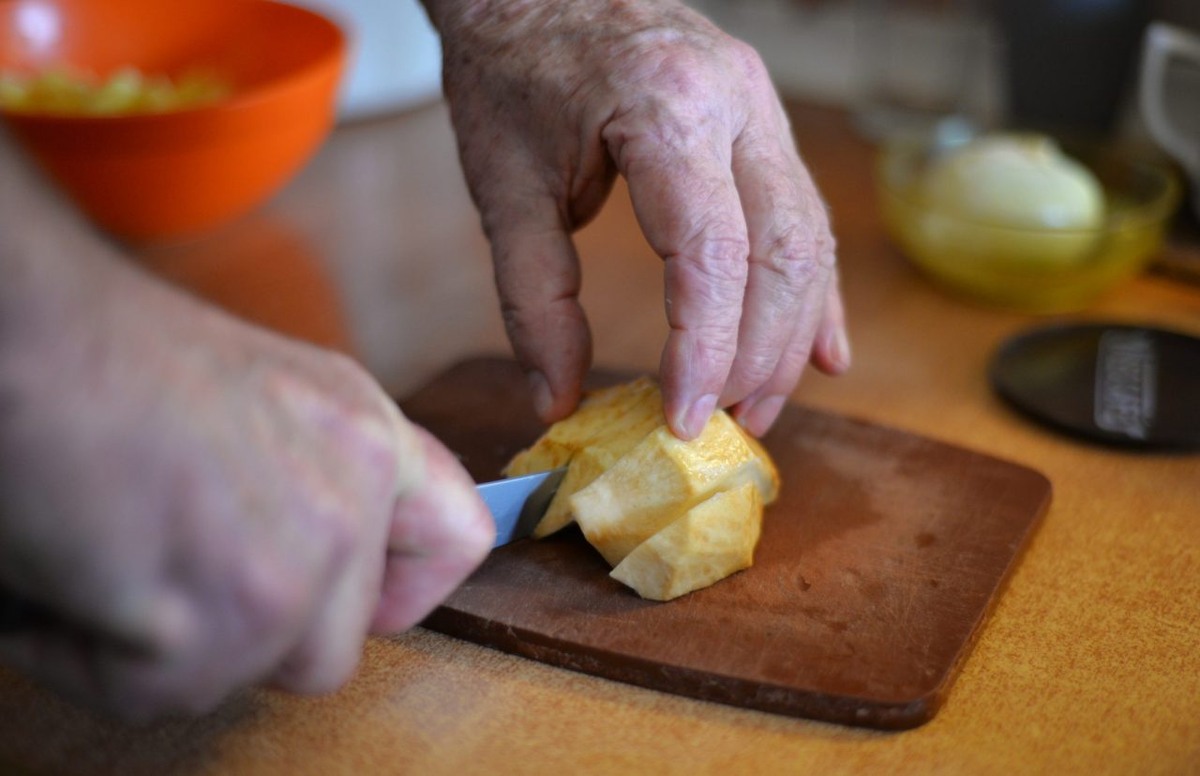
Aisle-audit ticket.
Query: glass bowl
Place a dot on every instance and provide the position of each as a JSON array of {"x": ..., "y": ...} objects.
[{"x": 1040, "y": 269}]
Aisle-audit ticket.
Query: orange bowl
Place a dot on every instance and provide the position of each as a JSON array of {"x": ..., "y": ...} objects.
[{"x": 155, "y": 176}]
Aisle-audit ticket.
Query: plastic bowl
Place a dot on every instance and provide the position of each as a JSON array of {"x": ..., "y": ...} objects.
[
  {"x": 167, "y": 175},
  {"x": 1035, "y": 269}
]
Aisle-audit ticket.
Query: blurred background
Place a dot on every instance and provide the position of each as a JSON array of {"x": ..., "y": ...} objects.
[
  {"x": 1110, "y": 88},
  {"x": 1067, "y": 68},
  {"x": 1073, "y": 68},
  {"x": 1050, "y": 61},
  {"x": 1060, "y": 63}
]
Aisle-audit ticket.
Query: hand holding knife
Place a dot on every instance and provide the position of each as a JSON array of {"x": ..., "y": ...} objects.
[{"x": 516, "y": 506}]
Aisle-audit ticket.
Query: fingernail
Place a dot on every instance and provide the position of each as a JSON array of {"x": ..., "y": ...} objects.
[
  {"x": 543, "y": 400},
  {"x": 758, "y": 417},
  {"x": 697, "y": 415}
]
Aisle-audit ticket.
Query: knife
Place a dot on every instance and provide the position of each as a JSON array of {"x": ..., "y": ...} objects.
[{"x": 516, "y": 504}]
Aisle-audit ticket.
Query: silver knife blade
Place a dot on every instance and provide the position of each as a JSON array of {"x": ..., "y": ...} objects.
[{"x": 518, "y": 503}]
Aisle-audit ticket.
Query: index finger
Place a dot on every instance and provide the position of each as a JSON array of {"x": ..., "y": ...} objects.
[
  {"x": 440, "y": 532},
  {"x": 687, "y": 204}
]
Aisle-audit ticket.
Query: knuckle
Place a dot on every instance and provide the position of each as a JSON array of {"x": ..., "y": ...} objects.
[
  {"x": 673, "y": 95},
  {"x": 361, "y": 427},
  {"x": 750, "y": 62},
  {"x": 687, "y": 66},
  {"x": 333, "y": 395},
  {"x": 800, "y": 256},
  {"x": 371, "y": 441},
  {"x": 705, "y": 288},
  {"x": 677, "y": 71},
  {"x": 721, "y": 259},
  {"x": 724, "y": 260},
  {"x": 826, "y": 245},
  {"x": 271, "y": 596}
]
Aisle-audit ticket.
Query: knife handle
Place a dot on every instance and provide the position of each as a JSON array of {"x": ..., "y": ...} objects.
[{"x": 18, "y": 615}]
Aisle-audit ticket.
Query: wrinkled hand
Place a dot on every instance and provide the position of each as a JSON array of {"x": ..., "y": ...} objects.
[
  {"x": 211, "y": 506},
  {"x": 550, "y": 101}
]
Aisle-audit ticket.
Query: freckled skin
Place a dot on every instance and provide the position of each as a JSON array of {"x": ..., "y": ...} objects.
[
  {"x": 551, "y": 101},
  {"x": 243, "y": 509}
]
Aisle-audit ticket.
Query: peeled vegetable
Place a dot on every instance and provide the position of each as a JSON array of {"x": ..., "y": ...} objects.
[
  {"x": 671, "y": 516},
  {"x": 1022, "y": 181},
  {"x": 698, "y": 548},
  {"x": 126, "y": 91},
  {"x": 607, "y": 424},
  {"x": 660, "y": 479}
]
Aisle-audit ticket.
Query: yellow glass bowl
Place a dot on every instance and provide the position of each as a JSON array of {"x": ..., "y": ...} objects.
[{"x": 1035, "y": 269}]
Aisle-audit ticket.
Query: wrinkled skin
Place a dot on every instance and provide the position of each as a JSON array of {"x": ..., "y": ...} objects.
[
  {"x": 204, "y": 505},
  {"x": 208, "y": 506},
  {"x": 550, "y": 101}
]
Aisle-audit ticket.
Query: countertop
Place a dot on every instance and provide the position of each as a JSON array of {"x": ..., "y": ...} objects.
[{"x": 1090, "y": 662}]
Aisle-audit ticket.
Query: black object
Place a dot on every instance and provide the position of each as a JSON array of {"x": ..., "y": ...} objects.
[
  {"x": 20, "y": 616},
  {"x": 17, "y": 615},
  {"x": 1070, "y": 63},
  {"x": 1117, "y": 384}
]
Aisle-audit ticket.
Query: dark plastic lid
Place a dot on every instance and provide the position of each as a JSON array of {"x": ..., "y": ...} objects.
[{"x": 1130, "y": 386}]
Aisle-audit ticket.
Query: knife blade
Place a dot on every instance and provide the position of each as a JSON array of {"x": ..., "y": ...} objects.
[{"x": 516, "y": 504}]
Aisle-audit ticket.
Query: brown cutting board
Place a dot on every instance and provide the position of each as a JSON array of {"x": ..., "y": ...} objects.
[{"x": 876, "y": 569}]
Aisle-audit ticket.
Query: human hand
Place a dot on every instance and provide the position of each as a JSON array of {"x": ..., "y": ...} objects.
[
  {"x": 550, "y": 101},
  {"x": 208, "y": 506}
]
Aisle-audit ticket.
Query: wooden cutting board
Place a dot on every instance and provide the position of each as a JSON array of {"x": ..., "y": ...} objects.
[{"x": 876, "y": 569}]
